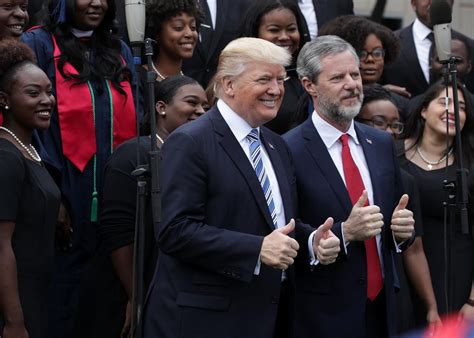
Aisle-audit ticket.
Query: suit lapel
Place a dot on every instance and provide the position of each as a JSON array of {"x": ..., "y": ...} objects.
[
  {"x": 233, "y": 149},
  {"x": 322, "y": 159},
  {"x": 221, "y": 14},
  {"x": 410, "y": 54},
  {"x": 370, "y": 153},
  {"x": 320, "y": 8},
  {"x": 280, "y": 173},
  {"x": 371, "y": 158}
]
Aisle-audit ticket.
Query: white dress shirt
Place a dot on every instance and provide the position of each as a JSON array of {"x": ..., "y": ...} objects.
[
  {"x": 309, "y": 13},
  {"x": 422, "y": 46}
]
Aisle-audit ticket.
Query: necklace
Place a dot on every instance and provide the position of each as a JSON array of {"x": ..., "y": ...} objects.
[
  {"x": 430, "y": 164},
  {"x": 34, "y": 156},
  {"x": 161, "y": 76}
]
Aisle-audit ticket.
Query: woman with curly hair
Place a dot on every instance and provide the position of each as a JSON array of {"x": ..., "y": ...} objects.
[
  {"x": 92, "y": 75},
  {"x": 279, "y": 21},
  {"x": 29, "y": 198},
  {"x": 13, "y": 20},
  {"x": 376, "y": 45},
  {"x": 174, "y": 26}
]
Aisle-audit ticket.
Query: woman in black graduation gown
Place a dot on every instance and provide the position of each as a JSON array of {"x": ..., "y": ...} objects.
[{"x": 29, "y": 199}]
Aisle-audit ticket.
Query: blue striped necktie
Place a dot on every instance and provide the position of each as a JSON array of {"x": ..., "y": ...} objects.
[{"x": 256, "y": 156}]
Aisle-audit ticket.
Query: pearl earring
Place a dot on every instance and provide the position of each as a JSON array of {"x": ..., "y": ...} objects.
[
  {"x": 7, "y": 107},
  {"x": 163, "y": 113}
]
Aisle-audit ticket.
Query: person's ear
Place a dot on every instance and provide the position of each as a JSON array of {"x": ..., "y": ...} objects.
[
  {"x": 160, "y": 108},
  {"x": 309, "y": 86},
  {"x": 423, "y": 114},
  {"x": 4, "y": 101},
  {"x": 469, "y": 66},
  {"x": 228, "y": 86}
]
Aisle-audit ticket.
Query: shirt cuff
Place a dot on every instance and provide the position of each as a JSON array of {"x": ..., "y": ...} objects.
[
  {"x": 397, "y": 245},
  {"x": 313, "y": 261},
  {"x": 343, "y": 239},
  {"x": 256, "y": 271}
]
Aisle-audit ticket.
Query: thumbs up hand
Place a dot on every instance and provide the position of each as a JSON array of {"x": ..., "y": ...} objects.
[
  {"x": 403, "y": 224},
  {"x": 325, "y": 243},
  {"x": 278, "y": 249},
  {"x": 364, "y": 222}
]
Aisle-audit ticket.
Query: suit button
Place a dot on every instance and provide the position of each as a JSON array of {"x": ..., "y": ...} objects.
[
  {"x": 274, "y": 300},
  {"x": 362, "y": 281}
]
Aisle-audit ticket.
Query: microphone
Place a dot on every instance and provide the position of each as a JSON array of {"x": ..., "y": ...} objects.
[
  {"x": 440, "y": 13},
  {"x": 135, "y": 18}
]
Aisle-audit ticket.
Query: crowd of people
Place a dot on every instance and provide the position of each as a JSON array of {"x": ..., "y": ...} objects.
[{"x": 308, "y": 158}]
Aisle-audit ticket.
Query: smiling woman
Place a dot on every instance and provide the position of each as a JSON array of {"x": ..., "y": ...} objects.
[
  {"x": 13, "y": 18},
  {"x": 29, "y": 199},
  {"x": 174, "y": 26},
  {"x": 279, "y": 22}
]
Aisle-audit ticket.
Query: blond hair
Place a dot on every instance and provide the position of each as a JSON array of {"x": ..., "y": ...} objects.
[{"x": 240, "y": 52}]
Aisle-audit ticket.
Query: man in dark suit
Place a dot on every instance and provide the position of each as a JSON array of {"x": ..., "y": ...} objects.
[
  {"x": 220, "y": 26},
  {"x": 226, "y": 240},
  {"x": 411, "y": 70},
  {"x": 348, "y": 171},
  {"x": 317, "y": 12}
]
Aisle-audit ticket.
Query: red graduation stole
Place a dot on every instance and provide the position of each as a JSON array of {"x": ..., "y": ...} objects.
[{"x": 75, "y": 106}]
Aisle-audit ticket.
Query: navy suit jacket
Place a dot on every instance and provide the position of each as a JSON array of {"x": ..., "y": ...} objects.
[
  {"x": 326, "y": 10},
  {"x": 331, "y": 299},
  {"x": 203, "y": 63},
  {"x": 406, "y": 70},
  {"x": 214, "y": 220}
]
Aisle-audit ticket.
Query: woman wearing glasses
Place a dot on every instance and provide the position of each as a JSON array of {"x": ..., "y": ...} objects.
[
  {"x": 430, "y": 156},
  {"x": 379, "y": 110},
  {"x": 376, "y": 45}
]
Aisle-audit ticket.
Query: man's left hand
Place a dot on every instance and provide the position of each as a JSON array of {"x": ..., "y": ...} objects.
[
  {"x": 403, "y": 224},
  {"x": 325, "y": 243}
]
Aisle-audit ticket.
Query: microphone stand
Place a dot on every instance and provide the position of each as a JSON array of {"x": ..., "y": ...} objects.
[
  {"x": 145, "y": 173},
  {"x": 458, "y": 189}
]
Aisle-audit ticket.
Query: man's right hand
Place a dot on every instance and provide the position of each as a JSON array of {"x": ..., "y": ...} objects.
[
  {"x": 364, "y": 222},
  {"x": 279, "y": 249}
]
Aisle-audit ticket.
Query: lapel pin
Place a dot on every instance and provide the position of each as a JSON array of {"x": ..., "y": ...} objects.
[
  {"x": 369, "y": 141},
  {"x": 271, "y": 145}
]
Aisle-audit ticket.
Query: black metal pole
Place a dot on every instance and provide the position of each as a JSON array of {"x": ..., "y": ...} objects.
[
  {"x": 461, "y": 172},
  {"x": 154, "y": 155}
]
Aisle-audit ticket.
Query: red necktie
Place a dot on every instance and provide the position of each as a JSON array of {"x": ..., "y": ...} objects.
[{"x": 355, "y": 187}]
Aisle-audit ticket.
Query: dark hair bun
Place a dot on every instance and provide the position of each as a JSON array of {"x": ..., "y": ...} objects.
[{"x": 13, "y": 52}]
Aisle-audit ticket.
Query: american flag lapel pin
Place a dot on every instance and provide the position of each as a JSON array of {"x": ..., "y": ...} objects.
[{"x": 369, "y": 141}]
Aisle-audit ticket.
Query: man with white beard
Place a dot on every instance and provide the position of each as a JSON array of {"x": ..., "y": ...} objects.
[{"x": 350, "y": 172}]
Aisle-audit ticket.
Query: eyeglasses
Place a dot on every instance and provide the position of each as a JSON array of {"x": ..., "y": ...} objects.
[
  {"x": 377, "y": 54},
  {"x": 380, "y": 123}
]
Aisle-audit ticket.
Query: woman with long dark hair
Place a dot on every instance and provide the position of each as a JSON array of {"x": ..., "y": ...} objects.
[
  {"x": 92, "y": 75},
  {"x": 29, "y": 199},
  {"x": 430, "y": 156},
  {"x": 279, "y": 21}
]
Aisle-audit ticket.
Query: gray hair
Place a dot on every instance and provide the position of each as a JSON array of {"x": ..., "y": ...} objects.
[
  {"x": 240, "y": 52},
  {"x": 310, "y": 57}
]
